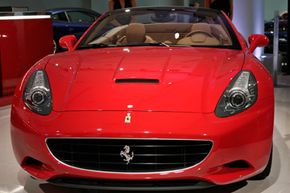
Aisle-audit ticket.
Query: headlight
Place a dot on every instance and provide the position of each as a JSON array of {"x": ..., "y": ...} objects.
[
  {"x": 239, "y": 95},
  {"x": 37, "y": 93}
]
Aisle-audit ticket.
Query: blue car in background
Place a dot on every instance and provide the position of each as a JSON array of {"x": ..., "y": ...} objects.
[{"x": 70, "y": 21}]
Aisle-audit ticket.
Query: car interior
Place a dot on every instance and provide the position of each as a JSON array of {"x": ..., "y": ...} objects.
[{"x": 167, "y": 33}]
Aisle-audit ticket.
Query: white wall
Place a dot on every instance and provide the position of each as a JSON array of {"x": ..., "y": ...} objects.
[
  {"x": 102, "y": 5},
  {"x": 97, "y": 5},
  {"x": 274, "y": 5},
  {"x": 248, "y": 18},
  {"x": 39, "y": 5}
]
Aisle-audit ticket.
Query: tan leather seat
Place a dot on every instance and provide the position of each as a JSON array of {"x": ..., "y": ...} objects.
[
  {"x": 135, "y": 33},
  {"x": 200, "y": 35}
]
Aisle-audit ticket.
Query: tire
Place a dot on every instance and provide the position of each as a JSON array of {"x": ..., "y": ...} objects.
[{"x": 266, "y": 171}]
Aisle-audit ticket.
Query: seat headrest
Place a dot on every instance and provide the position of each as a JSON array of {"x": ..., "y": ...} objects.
[
  {"x": 135, "y": 32},
  {"x": 201, "y": 27}
]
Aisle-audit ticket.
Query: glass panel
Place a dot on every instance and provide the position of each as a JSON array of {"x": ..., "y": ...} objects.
[
  {"x": 80, "y": 17},
  {"x": 169, "y": 26},
  {"x": 59, "y": 17}
]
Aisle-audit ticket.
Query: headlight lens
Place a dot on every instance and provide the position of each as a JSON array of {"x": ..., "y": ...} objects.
[
  {"x": 37, "y": 93},
  {"x": 239, "y": 95}
]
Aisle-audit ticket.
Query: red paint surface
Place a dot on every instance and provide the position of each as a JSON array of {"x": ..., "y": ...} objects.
[
  {"x": 22, "y": 43},
  {"x": 76, "y": 74},
  {"x": 181, "y": 106},
  {"x": 181, "y": 110},
  {"x": 257, "y": 40}
]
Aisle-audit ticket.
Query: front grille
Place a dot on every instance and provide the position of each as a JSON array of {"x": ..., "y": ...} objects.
[{"x": 149, "y": 155}]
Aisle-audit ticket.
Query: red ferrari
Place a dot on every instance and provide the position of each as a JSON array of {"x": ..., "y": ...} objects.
[{"x": 148, "y": 99}]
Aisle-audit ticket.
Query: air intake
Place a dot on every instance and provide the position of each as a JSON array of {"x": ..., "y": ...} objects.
[{"x": 137, "y": 80}]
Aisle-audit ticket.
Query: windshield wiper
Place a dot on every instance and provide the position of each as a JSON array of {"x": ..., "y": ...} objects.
[
  {"x": 148, "y": 44},
  {"x": 102, "y": 45},
  {"x": 159, "y": 44}
]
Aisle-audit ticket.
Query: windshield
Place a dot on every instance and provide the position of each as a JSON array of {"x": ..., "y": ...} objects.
[{"x": 161, "y": 26}]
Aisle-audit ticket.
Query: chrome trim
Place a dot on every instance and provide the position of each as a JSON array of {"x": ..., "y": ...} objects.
[{"x": 138, "y": 173}]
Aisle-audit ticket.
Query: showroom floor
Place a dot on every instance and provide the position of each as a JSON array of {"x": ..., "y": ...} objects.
[{"x": 15, "y": 180}]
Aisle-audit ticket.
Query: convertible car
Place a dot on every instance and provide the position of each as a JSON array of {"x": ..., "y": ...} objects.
[{"x": 148, "y": 99}]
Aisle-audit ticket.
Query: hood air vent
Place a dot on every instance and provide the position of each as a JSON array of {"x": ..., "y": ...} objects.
[{"x": 137, "y": 80}]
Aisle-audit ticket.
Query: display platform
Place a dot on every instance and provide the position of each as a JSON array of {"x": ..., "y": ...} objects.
[{"x": 25, "y": 37}]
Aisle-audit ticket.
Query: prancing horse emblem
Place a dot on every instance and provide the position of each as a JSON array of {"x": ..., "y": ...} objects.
[
  {"x": 128, "y": 118},
  {"x": 126, "y": 154}
]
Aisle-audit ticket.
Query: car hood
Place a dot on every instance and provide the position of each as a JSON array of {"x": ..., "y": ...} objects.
[{"x": 170, "y": 79}]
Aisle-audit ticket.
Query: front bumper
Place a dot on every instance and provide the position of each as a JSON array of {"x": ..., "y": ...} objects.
[{"x": 245, "y": 137}]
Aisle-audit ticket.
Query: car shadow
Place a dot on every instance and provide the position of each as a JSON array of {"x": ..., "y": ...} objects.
[{"x": 50, "y": 188}]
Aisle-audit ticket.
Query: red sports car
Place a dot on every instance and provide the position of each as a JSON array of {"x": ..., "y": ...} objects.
[{"x": 149, "y": 98}]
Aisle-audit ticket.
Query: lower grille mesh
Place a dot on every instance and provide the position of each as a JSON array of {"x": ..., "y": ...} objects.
[{"x": 147, "y": 155}]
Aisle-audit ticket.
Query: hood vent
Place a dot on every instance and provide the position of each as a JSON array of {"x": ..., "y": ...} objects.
[{"x": 137, "y": 80}]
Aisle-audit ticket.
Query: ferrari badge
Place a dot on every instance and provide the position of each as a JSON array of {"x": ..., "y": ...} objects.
[{"x": 128, "y": 118}]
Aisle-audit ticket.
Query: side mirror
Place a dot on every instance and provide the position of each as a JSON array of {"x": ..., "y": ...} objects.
[
  {"x": 257, "y": 40},
  {"x": 68, "y": 42}
]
